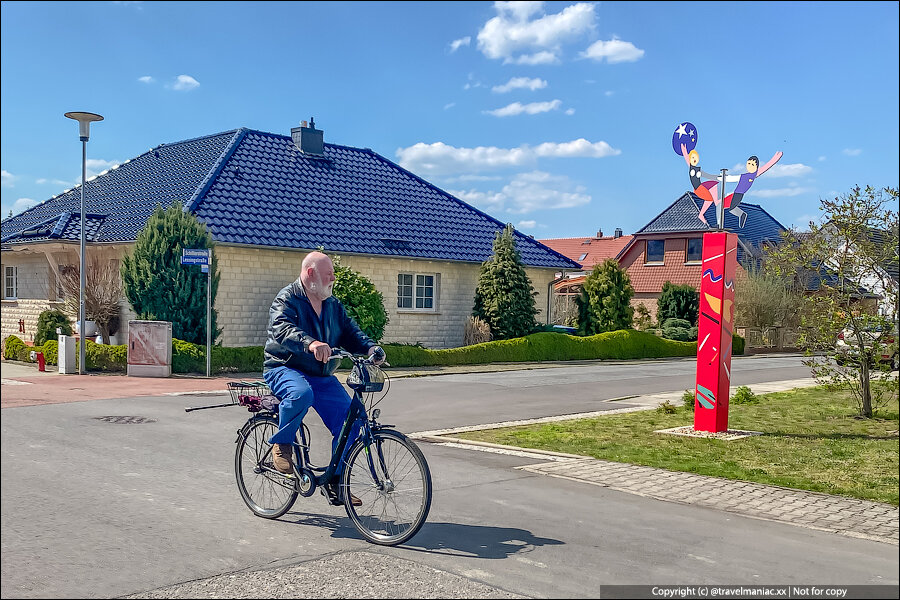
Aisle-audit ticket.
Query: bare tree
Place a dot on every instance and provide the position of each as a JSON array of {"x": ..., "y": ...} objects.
[{"x": 102, "y": 291}]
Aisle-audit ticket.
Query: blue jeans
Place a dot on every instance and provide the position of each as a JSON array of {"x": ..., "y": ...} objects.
[{"x": 297, "y": 393}]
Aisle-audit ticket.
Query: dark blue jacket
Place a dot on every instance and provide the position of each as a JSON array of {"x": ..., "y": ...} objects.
[{"x": 294, "y": 325}]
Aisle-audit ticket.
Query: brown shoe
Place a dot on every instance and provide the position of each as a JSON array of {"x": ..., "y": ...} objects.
[
  {"x": 331, "y": 492},
  {"x": 282, "y": 458}
]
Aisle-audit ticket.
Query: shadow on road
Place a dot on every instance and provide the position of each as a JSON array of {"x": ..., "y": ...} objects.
[{"x": 476, "y": 541}]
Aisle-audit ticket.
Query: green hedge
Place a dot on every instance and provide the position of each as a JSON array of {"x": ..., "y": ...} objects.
[{"x": 544, "y": 346}]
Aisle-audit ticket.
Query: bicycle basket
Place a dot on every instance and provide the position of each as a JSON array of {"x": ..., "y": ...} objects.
[
  {"x": 366, "y": 377},
  {"x": 255, "y": 395}
]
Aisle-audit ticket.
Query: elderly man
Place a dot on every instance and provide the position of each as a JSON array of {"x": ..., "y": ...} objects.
[{"x": 305, "y": 323}]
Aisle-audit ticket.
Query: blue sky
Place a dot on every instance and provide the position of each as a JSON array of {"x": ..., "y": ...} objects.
[{"x": 554, "y": 116}]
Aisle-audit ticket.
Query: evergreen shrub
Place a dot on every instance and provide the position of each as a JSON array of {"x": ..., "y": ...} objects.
[
  {"x": 13, "y": 346},
  {"x": 48, "y": 322}
]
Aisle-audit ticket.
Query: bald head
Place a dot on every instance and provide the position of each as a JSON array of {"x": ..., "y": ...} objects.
[{"x": 317, "y": 275}]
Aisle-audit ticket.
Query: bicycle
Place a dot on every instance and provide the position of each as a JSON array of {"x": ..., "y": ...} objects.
[{"x": 383, "y": 468}]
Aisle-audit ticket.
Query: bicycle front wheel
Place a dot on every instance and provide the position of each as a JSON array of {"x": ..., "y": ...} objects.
[
  {"x": 266, "y": 492},
  {"x": 391, "y": 478}
]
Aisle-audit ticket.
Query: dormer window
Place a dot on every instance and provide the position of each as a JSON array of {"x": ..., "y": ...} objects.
[{"x": 582, "y": 257}]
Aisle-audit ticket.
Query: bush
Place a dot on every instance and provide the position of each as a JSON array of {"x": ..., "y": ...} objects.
[
  {"x": 504, "y": 295},
  {"x": 104, "y": 357},
  {"x": 605, "y": 300},
  {"x": 744, "y": 395},
  {"x": 666, "y": 408},
  {"x": 188, "y": 357},
  {"x": 158, "y": 286},
  {"x": 737, "y": 345},
  {"x": 47, "y": 323},
  {"x": 679, "y": 329},
  {"x": 51, "y": 352},
  {"x": 13, "y": 346},
  {"x": 689, "y": 399},
  {"x": 642, "y": 319},
  {"x": 361, "y": 298},
  {"x": 678, "y": 302}
]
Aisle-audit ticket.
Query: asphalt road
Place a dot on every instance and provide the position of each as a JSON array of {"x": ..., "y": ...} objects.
[{"x": 97, "y": 509}]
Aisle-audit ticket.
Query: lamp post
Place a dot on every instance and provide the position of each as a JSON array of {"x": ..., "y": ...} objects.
[{"x": 84, "y": 133}]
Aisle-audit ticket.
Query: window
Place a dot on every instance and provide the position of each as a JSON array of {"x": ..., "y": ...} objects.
[
  {"x": 11, "y": 283},
  {"x": 656, "y": 251},
  {"x": 417, "y": 291},
  {"x": 694, "y": 250},
  {"x": 582, "y": 257}
]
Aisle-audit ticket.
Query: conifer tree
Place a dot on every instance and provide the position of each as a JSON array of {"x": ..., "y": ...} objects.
[
  {"x": 605, "y": 300},
  {"x": 678, "y": 302},
  {"x": 159, "y": 287},
  {"x": 504, "y": 296}
]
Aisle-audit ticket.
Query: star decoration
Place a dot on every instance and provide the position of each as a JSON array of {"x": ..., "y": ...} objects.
[{"x": 681, "y": 130}]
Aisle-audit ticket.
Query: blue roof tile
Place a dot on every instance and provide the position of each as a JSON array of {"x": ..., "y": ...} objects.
[{"x": 257, "y": 188}]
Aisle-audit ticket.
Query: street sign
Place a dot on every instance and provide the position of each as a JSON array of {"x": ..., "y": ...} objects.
[{"x": 191, "y": 256}]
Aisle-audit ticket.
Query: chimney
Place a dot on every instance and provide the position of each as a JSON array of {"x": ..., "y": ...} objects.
[
  {"x": 308, "y": 140},
  {"x": 599, "y": 233},
  {"x": 618, "y": 233}
]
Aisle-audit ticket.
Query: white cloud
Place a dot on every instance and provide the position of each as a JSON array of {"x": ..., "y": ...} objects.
[
  {"x": 570, "y": 111},
  {"x": 822, "y": 158},
  {"x": 527, "y": 192},
  {"x": 614, "y": 51},
  {"x": 521, "y": 33},
  {"x": 517, "y": 83},
  {"x": 94, "y": 166},
  {"x": 442, "y": 159},
  {"x": 852, "y": 151},
  {"x": 146, "y": 79},
  {"x": 456, "y": 44},
  {"x": 538, "y": 58},
  {"x": 780, "y": 193},
  {"x": 608, "y": 93},
  {"x": 526, "y": 224},
  {"x": 185, "y": 83},
  {"x": 793, "y": 170},
  {"x": 449, "y": 105},
  {"x": 804, "y": 220},
  {"x": 7, "y": 179},
  {"x": 23, "y": 204},
  {"x": 517, "y": 108},
  {"x": 44, "y": 180}
]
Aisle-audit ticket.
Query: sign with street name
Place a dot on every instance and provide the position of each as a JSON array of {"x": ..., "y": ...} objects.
[{"x": 195, "y": 256}]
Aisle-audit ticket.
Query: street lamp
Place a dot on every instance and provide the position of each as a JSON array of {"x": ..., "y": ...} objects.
[{"x": 84, "y": 133}]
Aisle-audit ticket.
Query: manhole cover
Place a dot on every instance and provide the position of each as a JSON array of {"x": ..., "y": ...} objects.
[{"x": 126, "y": 420}]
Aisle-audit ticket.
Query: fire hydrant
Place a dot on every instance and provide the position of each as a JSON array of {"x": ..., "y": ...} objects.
[{"x": 40, "y": 361}]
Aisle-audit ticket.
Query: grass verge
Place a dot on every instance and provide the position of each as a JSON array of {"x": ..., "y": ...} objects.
[{"x": 812, "y": 441}]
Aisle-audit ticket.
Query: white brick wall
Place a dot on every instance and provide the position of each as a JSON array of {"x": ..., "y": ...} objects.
[{"x": 251, "y": 277}]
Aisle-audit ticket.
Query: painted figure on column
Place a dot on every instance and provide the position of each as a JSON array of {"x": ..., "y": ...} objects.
[{"x": 744, "y": 181}]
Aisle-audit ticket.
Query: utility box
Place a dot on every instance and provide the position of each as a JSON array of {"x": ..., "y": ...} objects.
[
  {"x": 66, "y": 354},
  {"x": 149, "y": 348}
]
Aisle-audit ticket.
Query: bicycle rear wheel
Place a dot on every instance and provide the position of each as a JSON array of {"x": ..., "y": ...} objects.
[
  {"x": 266, "y": 492},
  {"x": 395, "y": 498}
]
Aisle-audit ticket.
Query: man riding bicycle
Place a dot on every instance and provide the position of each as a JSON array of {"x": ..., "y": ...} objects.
[{"x": 305, "y": 323}]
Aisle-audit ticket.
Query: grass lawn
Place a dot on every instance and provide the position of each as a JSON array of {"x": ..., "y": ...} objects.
[{"x": 811, "y": 441}]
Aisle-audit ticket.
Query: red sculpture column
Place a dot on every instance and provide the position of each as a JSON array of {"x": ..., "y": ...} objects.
[{"x": 714, "y": 331}]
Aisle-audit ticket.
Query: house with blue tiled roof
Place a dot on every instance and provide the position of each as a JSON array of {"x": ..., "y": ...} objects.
[{"x": 267, "y": 200}]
